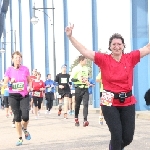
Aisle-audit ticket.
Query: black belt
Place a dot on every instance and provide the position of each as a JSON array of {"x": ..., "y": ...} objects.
[
  {"x": 78, "y": 85},
  {"x": 122, "y": 95}
]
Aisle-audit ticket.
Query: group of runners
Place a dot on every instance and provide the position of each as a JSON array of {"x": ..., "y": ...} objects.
[
  {"x": 25, "y": 93},
  {"x": 117, "y": 101}
]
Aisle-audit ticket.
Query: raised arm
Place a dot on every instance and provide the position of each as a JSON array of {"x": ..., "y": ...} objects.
[
  {"x": 145, "y": 50},
  {"x": 84, "y": 51}
]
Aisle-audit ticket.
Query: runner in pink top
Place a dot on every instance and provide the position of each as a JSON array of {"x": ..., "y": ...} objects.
[{"x": 19, "y": 78}]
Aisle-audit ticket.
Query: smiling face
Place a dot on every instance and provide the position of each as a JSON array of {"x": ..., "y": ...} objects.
[
  {"x": 116, "y": 46},
  {"x": 38, "y": 76},
  {"x": 16, "y": 59}
]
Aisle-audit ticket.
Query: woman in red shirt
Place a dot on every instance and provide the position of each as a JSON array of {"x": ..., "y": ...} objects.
[
  {"x": 117, "y": 79},
  {"x": 38, "y": 88},
  {"x": 32, "y": 77}
]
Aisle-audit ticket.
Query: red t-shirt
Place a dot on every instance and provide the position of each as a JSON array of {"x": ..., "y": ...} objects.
[
  {"x": 33, "y": 78},
  {"x": 36, "y": 85},
  {"x": 118, "y": 76}
]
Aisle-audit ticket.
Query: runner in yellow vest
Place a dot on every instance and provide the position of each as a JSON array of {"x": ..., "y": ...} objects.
[{"x": 79, "y": 77}]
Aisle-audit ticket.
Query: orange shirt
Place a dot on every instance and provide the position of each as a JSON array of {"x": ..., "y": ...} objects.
[{"x": 118, "y": 76}]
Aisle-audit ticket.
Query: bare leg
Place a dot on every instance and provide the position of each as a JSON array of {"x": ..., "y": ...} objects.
[
  {"x": 25, "y": 124},
  {"x": 6, "y": 110},
  {"x": 35, "y": 109},
  {"x": 19, "y": 128}
]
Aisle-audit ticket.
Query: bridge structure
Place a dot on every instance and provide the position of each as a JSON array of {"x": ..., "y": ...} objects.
[{"x": 46, "y": 51}]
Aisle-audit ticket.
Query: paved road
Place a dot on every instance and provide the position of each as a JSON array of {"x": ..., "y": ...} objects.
[{"x": 51, "y": 132}]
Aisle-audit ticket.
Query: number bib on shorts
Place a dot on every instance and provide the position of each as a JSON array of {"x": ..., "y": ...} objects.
[
  {"x": 49, "y": 89},
  {"x": 107, "y": 98},
  {"x": 37, "y": 94},
  {"x": 58, "y": 95},
  {"x": 18, "y": 86},
  {"x": 72, "y": 91}
]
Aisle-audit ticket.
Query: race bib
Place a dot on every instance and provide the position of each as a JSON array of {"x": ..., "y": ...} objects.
[
  {"x": 107, "y": 98},
  {"x": 63, "y": 80},
  {"x": 58, "y": 95},
  {"x": 72, "y": 91},
  {"x": 48, "y": 89},
  {"x": 18, "y": 86},
  {"x": 37, "y": 94}
]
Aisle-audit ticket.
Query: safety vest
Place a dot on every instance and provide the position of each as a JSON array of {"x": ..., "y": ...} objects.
[{"x": 80, "y": 71}]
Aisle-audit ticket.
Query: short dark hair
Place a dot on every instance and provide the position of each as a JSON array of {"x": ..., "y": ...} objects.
[
  {"x": 64, "y": 66},
  {"x": 116, "y": 36},
  {"x": 81, "y": 58},
  {"x": 48, "y": 74}
]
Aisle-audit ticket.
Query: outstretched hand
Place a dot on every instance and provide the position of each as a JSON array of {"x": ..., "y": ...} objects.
[{"x": 69, "y": 29}]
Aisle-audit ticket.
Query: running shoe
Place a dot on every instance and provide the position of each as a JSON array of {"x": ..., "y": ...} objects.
[
  {"x": 11, "y": 113},
  {"x": 77, "y": 122},
  {"x": 101, "y": 120},
  {"x": 72, "y": 112},
  {"x": 85, "y": 123},
  {"x": 13, "y": 125},
  {"x": 59, "y": 112},
  {"x": 19, "y": 142},
  {"x": 27, "y": 135},
  {"x": 46, "y": 112}
]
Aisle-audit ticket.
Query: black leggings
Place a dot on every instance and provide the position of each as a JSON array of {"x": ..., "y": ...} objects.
[
  {"x": 19, "y": 106},
  {"x": 37, "y": 101},
  {"x": 81, "y": 94},
  {"x": 2, "y": 100},
  {"x": 6, "y": 103},
  {"x": 49, "y": 98},
  {"x": 121, "y": 124}
]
